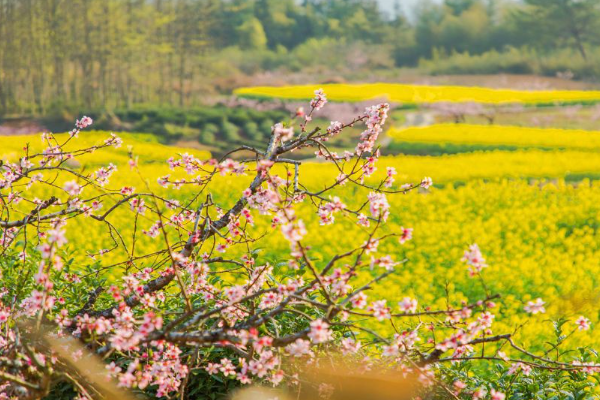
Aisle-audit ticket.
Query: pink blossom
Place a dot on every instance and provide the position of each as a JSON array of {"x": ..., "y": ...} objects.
[
  {"x": 583, "y": 324},
  {"x": 363, "y": 220},
  {"x": 319, "y": 101},
  {"x": 299, "y": 348},
  {"x": 479, "y": 393},
  {"x": 227, "y": 367},
  {"x": 327, "y": 211},
  {"x": 350, "y": 346},
  {"x": 164, "y": 181},
  {"x": 384, "y": 262},
  {"x": 406, "y": 235},
  {"x": 342, "y": 179},
  {"x": 57, "y": 237},
  {"x": 502, "y": 355},
  {"x": 270, "y": 300},
  {"x": 294, "y": 231},
  {"x": 497, "y": 395},
  {"x": 45, "y": 250},
  {"x": 486, "y": 319},
  {"x": 426, "y": 182},
  {"x": 4, "y": 317},
  {"x": 380, "y": 310},
  {"x": 588, "y": 368},
  {"x": 389, "y": 181},
  {"x": 212, "y": 368},
  {"x": 426, "y": 377},
  {"x": 408, "y": 305},
  {"x": 359, "y": 300},
  {"x": 127, "y": 190},
  {"x": 376, "y": 117},
  {"x": 379, "y": 205},
  {"x": 104, "y": 173},
  {"x": 243, "y": 378},
  {"x": 72, "y": 188},
  {"x": 114, "y": 141},
  {"x": 282, "y": 133},
  {"x": 334, "y": 128},
  {"x": 369, "y": 167},
  {"x": 84, "y": 122},
  {"x": 459, "y": 385},
  {"x": 230, "y": 166},
  {"x": 139, "y": 205},
  {"x": 371, "y": 245},
  {"x": 474, "y": 259},
  {"x": 534, "y": 307},
  {"x": 319, "y": 331}
]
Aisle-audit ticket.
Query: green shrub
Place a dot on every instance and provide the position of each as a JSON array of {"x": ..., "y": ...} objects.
[
  {"x": 209, "y": 134},
  {"x": 230, "y": 132},
  {"x": 513, "y": 61},
  {"x": 252, "y": 131}
]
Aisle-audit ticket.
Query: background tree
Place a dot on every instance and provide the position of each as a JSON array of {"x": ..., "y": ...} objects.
[
  {"x": 557, "y": 23},
  {"x": 113, "y": 54}
]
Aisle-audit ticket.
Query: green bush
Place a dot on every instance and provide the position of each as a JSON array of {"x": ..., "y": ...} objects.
[
  {"x": 209, "y": 134},
  {"x": 513, "y": 61},
  {"x": 570, "y": 60},
  {"x": 230, "y": 132},
  {"x": 252, "y": 131},
  {"x": 207, "y": 124}
]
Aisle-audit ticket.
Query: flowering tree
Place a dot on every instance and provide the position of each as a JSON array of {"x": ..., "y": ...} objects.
[
  {"x": 157, "y": 325},
  {"x": 459, "y": 111}
]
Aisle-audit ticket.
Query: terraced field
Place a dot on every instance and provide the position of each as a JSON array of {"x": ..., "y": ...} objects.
[
  {"x": 460, "y": 138},
  {"x": 539, "y": 234},
  {"x": 417, "y": 94}
]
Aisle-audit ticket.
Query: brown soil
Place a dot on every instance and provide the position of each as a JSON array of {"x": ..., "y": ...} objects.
[{"x": 12, "y": 127}]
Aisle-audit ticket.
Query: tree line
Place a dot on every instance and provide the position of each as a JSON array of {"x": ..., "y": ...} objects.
[{"x": 116, "y": 53}]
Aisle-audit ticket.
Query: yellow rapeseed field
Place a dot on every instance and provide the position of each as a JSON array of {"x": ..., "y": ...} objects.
[
  {"x": 145, "y": 146},
  {"x": 415, "y": 94},
  {"x": 540, "y": 238},
  {"x": 495, "y": 135}
]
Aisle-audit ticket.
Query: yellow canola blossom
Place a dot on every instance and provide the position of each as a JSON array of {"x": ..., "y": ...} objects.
[
  {"x": 462, "y": 168},
  {"x": 416, "y": 94},
  {"x": 495, "y": 135},
  {"x": 479, "y": 165},
  {"x": 539, "y": 239},
  {"x": 144, "y": 146}
]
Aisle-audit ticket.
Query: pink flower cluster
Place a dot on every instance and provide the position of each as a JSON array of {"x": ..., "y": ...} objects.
[
  {"x": 375, "y": 119},
  {"x": 319, "y": 101},
  {"x": 84, "y": 122},
  {"x": 474, "y": 260}
]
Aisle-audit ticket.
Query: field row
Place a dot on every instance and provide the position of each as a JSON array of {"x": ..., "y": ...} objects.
[
  {"x": 456, "y": 138},
  {"x": 145, "y": 146},
  {"x": 526, "y": 161},
  {"x": 416, "y": 94}
]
